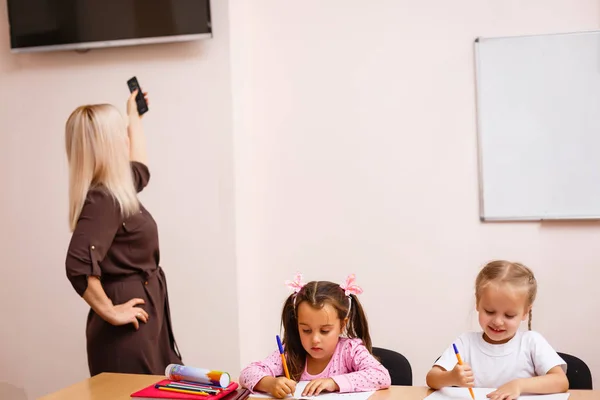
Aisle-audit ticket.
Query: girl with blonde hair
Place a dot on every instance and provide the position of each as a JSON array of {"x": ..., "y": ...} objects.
[
  {"x": 502, "y": 356},
  {"x": 113, "y": 256}
]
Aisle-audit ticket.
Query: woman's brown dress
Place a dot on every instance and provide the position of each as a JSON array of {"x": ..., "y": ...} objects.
[{"x": 124, "y": 253}]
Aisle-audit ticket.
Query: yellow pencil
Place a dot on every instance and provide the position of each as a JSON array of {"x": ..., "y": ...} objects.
[
  {"x": 182, "y": 391},
  {"x": 461, "y": 363}
]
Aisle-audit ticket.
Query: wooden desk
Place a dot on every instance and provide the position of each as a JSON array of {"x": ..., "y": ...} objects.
[
  {"x": 105, "y": 387},
  {"x": 120, "y": 387}
]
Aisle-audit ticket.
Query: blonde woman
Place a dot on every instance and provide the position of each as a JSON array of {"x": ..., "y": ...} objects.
[{"x": 113, "y": 256}]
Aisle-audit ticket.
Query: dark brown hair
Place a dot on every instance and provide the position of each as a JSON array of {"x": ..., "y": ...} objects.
[
  {"x": 513, "y": 273},
  {"x": 317, "y": 294}
]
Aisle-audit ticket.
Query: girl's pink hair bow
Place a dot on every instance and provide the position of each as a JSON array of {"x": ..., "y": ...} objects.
[
  {"x": 297, "y": 284},
  {"x": 350, "y": 287}
]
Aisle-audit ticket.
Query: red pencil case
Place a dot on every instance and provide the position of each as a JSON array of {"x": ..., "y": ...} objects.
[{"x": 153, "y": 393}]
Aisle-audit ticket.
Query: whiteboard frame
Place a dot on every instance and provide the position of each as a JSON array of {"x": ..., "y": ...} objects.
[{"x": 480, "y": 180}]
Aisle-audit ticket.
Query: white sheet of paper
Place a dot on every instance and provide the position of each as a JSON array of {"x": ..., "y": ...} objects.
[
  {"x": 453, "y": 393},
  {"x": 331, "y": 396}
]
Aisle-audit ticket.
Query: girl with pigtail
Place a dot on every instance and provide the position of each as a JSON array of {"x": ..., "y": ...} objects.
[
  {"x": 502, "y": 356},
  {"x": 326, "y": 342}
]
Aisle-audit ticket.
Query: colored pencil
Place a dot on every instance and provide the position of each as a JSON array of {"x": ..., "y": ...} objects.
[{"x": 176, "y": 390}]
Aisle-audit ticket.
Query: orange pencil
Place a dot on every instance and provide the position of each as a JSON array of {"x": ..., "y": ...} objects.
[
  {"x": 182, "y": 391},
  {"x": 461, "y": 363},
  {"x": 285, "y": 368}
]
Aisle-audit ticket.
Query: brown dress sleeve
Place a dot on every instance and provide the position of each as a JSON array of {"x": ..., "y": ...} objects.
[
  {"x": 141, "y": 175},
  {"x": 96, "y": 228}
]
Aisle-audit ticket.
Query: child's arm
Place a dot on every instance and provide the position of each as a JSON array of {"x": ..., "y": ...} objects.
[
  {"x": 555, "y": 381},
  {"x": 369, "y": 373},
  {"x": 278, "y": 387},
  {"x": 447, "y": 372},
  {"x": 460, "y": 375},
  {"x": 255, "y": 376}
]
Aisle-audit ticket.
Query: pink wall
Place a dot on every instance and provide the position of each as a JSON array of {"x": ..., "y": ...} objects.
[
  {"x": 42, "y": 334},
  {"x": 355, "y": 151}
]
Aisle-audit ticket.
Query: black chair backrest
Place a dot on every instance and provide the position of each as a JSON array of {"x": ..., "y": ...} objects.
[
  {"x": 398, "y": 366},
  {"x": 578, "y": 373}
]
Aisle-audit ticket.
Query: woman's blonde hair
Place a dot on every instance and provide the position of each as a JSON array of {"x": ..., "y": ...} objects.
[
  {"x": 513, "y": 273},
  {"x": 98, "y": 154}
]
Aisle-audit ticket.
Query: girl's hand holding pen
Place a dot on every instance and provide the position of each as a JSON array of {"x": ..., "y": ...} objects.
[
  {"x": 278, "y": 387},
  {"x": 463, "y": 375}
]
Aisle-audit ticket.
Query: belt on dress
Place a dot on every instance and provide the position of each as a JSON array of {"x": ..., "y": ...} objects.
[{"x": 145, "y": 276}]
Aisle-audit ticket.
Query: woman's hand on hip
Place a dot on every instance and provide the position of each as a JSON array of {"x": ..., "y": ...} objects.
[{"x": 128, "y": 313}]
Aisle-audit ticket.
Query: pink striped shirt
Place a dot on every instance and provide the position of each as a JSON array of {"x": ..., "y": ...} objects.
[{"x": 352, "y": 367}]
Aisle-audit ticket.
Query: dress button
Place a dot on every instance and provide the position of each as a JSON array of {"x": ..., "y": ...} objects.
[
  {"x": 145, "y": 283},
  {"x": 93, "y": 247}
]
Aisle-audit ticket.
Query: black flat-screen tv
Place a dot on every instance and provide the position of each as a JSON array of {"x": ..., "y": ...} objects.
[{"x": 48, "y": 25}]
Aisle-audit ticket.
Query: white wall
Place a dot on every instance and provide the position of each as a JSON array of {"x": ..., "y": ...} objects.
[
  {"x": 189, "y": 130},
  {"x": 355, "y": 151}
]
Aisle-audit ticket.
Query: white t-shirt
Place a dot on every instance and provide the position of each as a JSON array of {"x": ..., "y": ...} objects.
[{"x": 526, "y": 355}]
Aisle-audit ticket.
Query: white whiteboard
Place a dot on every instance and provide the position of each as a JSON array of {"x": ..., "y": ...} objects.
[{"x": 538, "y": 117}]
